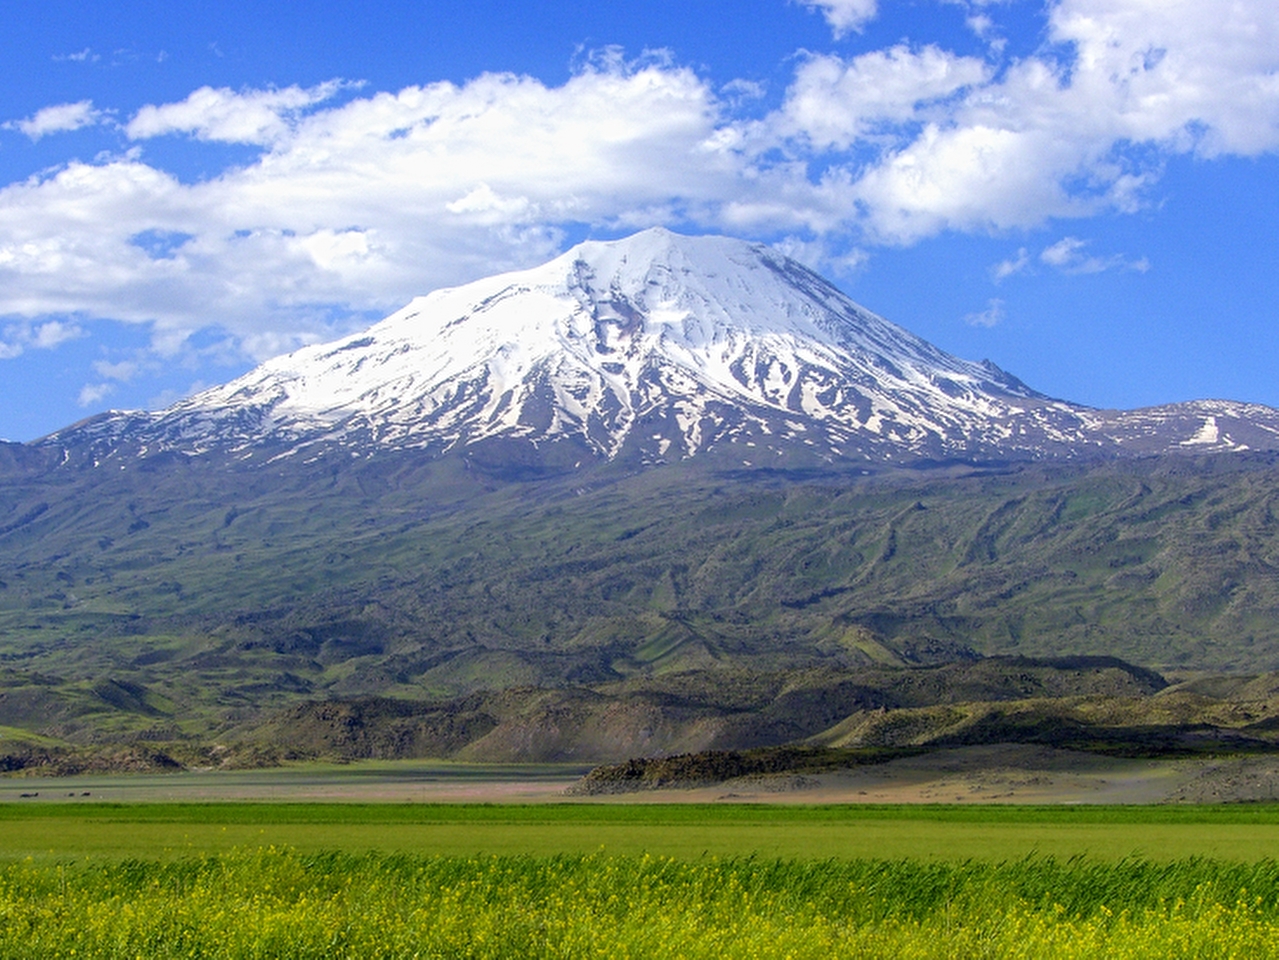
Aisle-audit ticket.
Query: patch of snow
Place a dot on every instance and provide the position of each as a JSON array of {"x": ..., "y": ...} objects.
[{"x": 1207, "y": 434}]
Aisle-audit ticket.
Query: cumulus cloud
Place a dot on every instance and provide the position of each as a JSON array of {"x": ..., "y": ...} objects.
[
  {"x": 20, "y": 337},
  {"x": 845, "y": 15},
  {"x": 57, "y": 119},
  {"x": 253, "y": 117},
  {"x": 1187, "y": 74},
  {"x": 834, "y": 103},
  {"x": 357, "y": 201},
  {"x": 54, "y": 333},
  {"x": 360, "y": 205},
  {"x": 1064, "y": 133}
]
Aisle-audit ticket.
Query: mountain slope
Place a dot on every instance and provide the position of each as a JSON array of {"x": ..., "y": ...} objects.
[
  {"x": 648, "y": 459},
  {"x": 653, "y": 348},
  {"x": 192, "y": 594}
]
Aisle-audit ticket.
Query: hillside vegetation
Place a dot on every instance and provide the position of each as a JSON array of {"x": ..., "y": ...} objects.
[{"x": 172, "y": 598}]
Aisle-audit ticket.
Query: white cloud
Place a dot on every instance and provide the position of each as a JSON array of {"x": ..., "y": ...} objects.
[
  {"x": 992, "y": 316},
  {"x": 359, "y": 201},
  {"x": 81, "y": 56},
  {"x": 54, "y": 333},
  {"x": 360, "y": 205},
  {"x": 20, "y": 337},
  {"x": 845, "y": 15},
  {"x": 822, "y": 256},
  {"x": 743, "y": 90},
  {"x": 1065, "y": 133},
  {"x": 833, "y": 103},
  {"x": 57, "y": 119},
  {"x": 123, "y": 370},
  {"x": 93, "y": 393},
  {"x": 1182, "y": 72},
  {"x": 1064, "y": 252},
  {"x": 971, "y": 178},
  {"x": 981, "y": 22},
  {"x": 1068, "y": 255},
  {"x": 1007, "y": 268},
  {"x": 482, "y": 200},
  {"x": 254, "y": 117}
]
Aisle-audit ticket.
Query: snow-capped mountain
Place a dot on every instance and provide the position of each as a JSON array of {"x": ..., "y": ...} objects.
[{"x": 657, "y": 347}]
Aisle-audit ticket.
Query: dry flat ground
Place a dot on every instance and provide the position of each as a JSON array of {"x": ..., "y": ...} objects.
[
  {"x": 981, "y": 803},
  {"x": 372, "y": 781},
  {"x": 984, "y": 774}
]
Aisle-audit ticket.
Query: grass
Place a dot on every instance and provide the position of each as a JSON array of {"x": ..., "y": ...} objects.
[
  {"x": 240, "y": 880},
  {"x": 272, "y": 902},
  {"x": 55, "y": 832}
]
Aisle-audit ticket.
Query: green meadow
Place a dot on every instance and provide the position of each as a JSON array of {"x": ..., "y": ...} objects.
[
  {"x": 636, "y": 880},
  {"x": 60, "y": 831}
]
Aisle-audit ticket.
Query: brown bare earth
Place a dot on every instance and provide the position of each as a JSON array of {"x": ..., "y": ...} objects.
[
  {"x": 1004, "y": 773},
  {"x": 1017, "y": 773}
]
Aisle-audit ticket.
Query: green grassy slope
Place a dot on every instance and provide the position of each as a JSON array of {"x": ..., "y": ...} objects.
[{"x": 179, "y": 596}]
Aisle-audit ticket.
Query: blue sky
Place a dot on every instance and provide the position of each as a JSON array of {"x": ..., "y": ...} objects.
[{"x": 1084, "y": 191}]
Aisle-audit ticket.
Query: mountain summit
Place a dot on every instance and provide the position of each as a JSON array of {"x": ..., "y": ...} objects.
[{"x": 656, "y": 347}]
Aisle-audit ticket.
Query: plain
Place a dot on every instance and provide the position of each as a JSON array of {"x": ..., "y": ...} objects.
[{"x": 58, "y": 832}]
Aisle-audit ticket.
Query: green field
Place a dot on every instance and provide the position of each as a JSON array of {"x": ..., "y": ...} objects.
[
  {"x": 58, "y": 832},
  {"x": 636, "y": 880}
]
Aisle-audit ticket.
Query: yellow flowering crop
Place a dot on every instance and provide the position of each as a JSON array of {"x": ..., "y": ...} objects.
[{"x": 280, "y": 903}]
